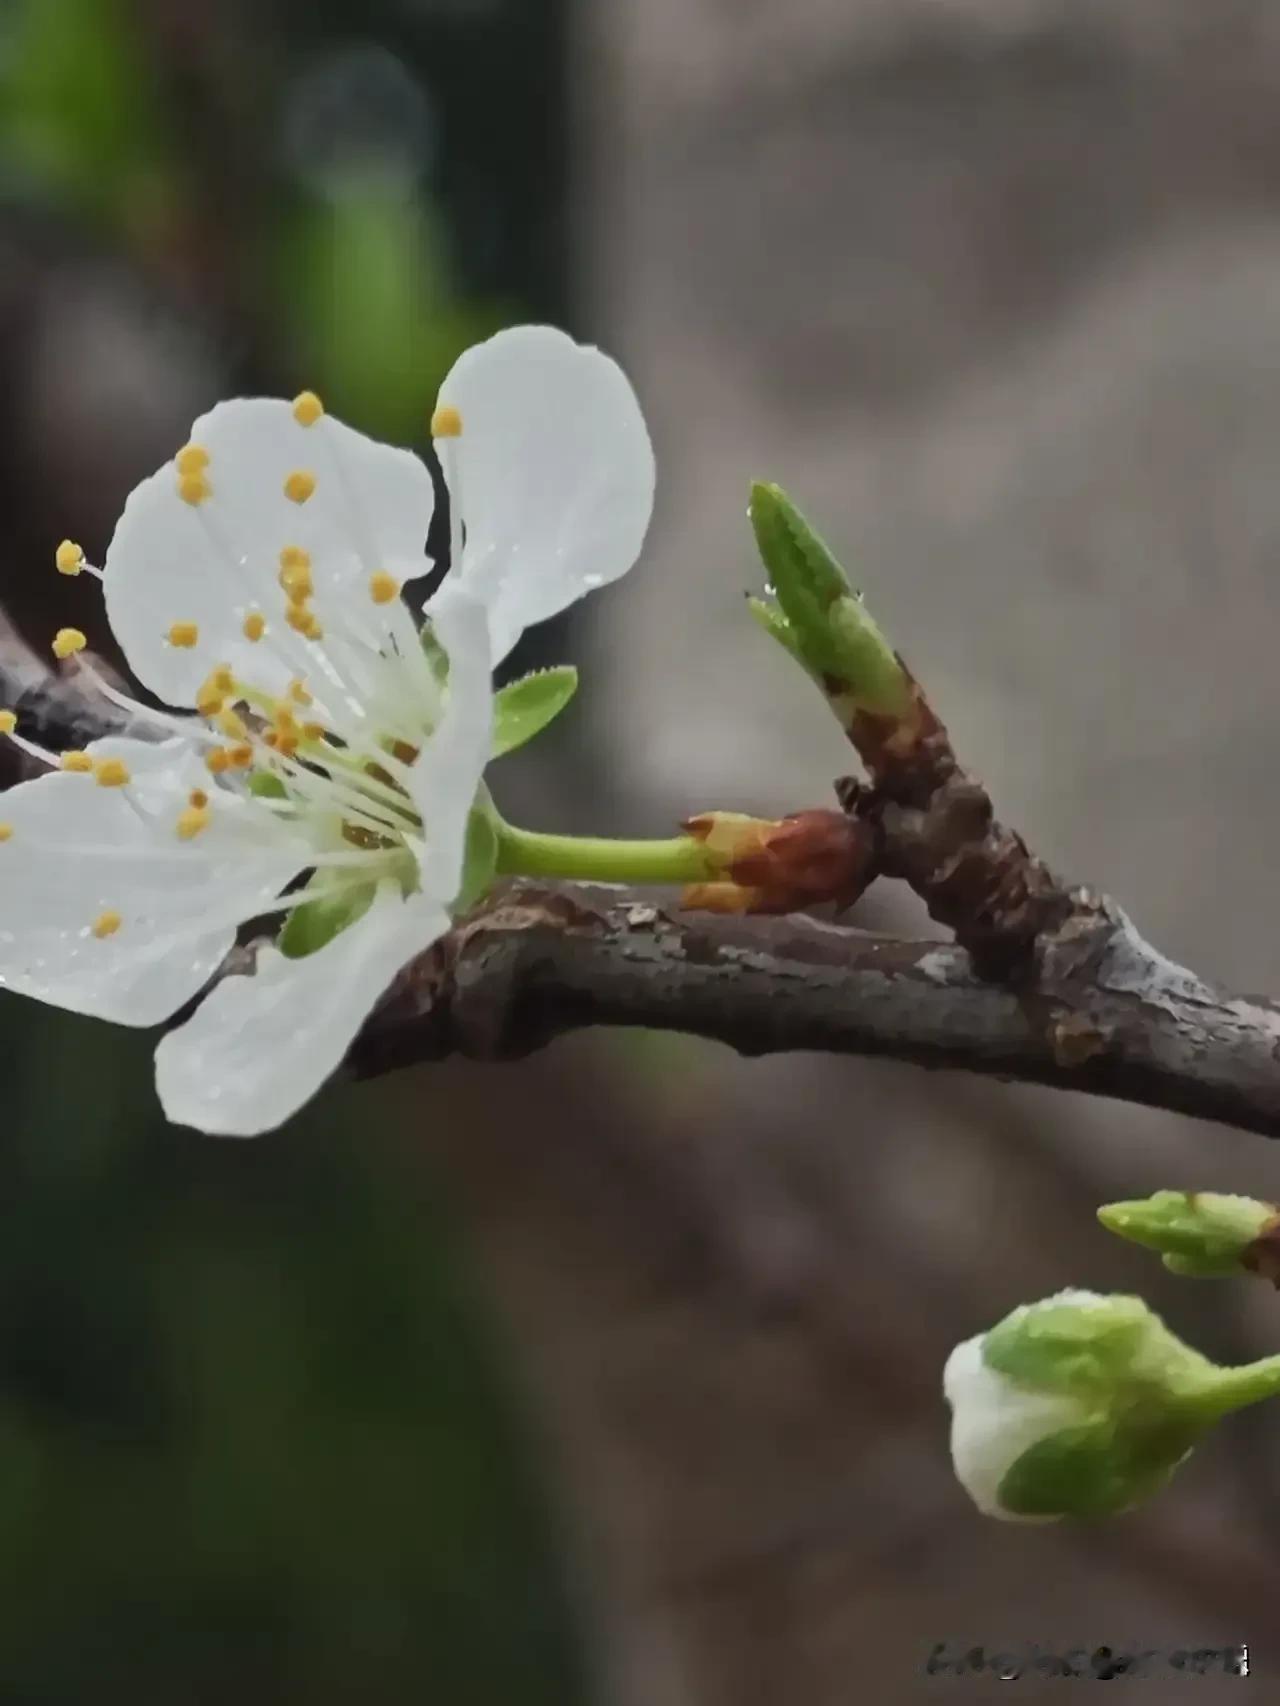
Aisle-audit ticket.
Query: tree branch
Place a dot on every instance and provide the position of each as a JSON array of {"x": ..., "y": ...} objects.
[
  {"x": 1069, "y": 994},
  {"x": 1107, "y": 1013}
]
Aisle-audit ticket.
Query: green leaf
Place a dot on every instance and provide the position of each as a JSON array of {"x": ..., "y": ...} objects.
[
  {"x": 525, "y": 707},
  {"x": 479, "y": 862},
  {"x": 314, "y": 923}
]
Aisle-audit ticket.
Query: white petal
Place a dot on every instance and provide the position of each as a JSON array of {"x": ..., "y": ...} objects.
[
  {"x": 446, "y": 775},
  {"x": 994, "y": 1421},
  {"x": 553, "y": 471},
  {"x": 77, "y": 850},
  {"x": 259, "y": 1047},
  {"x": 213, "y": 562}
]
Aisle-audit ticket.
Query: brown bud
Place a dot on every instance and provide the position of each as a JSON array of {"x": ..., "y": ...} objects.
[
  {"x": 807, "y": 859},
  {"x": 1263, "y": 1255}
]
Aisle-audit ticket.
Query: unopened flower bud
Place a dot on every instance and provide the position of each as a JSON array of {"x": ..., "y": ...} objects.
[{"x": 1083, "y": 1406}]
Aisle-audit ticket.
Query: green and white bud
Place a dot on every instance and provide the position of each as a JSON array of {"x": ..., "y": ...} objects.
[
  {"x": 1199, "y": 1233},
  {"x": 1083, "y": 1405}
]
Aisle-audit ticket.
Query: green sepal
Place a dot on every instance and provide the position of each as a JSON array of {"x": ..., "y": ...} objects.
[
  {"x": 522, "y": 709},
  {"x": 479, "y": 860},
  {"x": 1097, "y": 1469},
  {"x": 1198, "y": 1234},
  {"x": 265, "y": 786},
  {"x": 775, "y": 624},
  {"x": 314, "y": 923},
  {"x": 1093, "y": 1347}
]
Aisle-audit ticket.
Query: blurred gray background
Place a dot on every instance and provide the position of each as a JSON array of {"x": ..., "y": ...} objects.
[{"x": 993, "y": 287}]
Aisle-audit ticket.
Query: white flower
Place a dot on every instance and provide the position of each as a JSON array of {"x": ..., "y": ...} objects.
[
  {"x": 255, "y": 581},
  {"x": 994, "y": 1420}
]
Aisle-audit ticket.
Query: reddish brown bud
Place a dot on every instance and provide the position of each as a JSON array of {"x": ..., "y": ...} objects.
[{"x": 807, "y": 859}]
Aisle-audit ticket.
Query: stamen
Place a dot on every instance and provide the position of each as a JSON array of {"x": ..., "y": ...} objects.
[
  {"x": 106, "y": 924},
  {"x": 209, "y": 698},
  {"x": 68, "y": 558},
  {"x": 254, "y": 625},
  {"x": 299, "y": 486},
  {"x": 298, "y": 691},
  {"x": 184, "y": 634},
  {"x": 198, "y": 798},
  {"x": 8, "y": 722},
  {"x": 192, "y": 821},
  {"x": 111, "y": 773},
  {"x": 446, "y": 422},
  {"x": 307, "y": 409},
  {"x": 232, "y": 724},
  {"x": 6, "y": 832},
  {"x": 217, "y": 761},
  {"x": 193, "y": 489},
  {"x": 313, "y": 731},
  {"x": 68, "y": 641},
  {"x": 240, "y": 757},
  {"x": 383, "y": 587},
  {"x": 80, "y": 762},
  {"x": 191, "y": 459}
]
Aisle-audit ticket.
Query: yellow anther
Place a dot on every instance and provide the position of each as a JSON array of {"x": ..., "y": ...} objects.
[
  {"x": 6, "y": 832},
  {"x": 294, "y": 557},
  {"x": 223, "y": 679},
  {"x": 192, "y": 821},
  {"x": 313, "y": 731},
  {"x": 68, "y": 641},
  {"x": 313, "y": 630},
  {"x": 198, "y": 799},
  {"x": 80, "y": 762},
  {"x": 271, "y": 739},
  {"x": 68, "y": 558},
  {"x": 254, "y": 625},
  {"x": 232, "y": 725},
  {"x": 383, "y": 587},
  {"x": 194, "y": 488},
  {"x": 307, "y": 408},
  {"x": 183, "y": 634},
  {"x": 8, "y": 722},
  {"x": 217, "y": 760},
  {"x": 111, "y": 772},
  {"x": 191, "y": 459},
  {"x": 298, "y": 691},
  {"x": 209, "y": 700},
  {"x": 303, "y": 620},
  {"x": 446, "y": 422},
  {"x": 240, "y": 757},
  {"x": 299, "y": 486},
  {"x": 106, "y": 924},
  {"x": 286, "y": 743}
]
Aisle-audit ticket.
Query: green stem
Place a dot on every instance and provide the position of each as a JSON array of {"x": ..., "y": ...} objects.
[
  {"x": 585, "y": 858},
  {"x": 1234, "y": 1388}
]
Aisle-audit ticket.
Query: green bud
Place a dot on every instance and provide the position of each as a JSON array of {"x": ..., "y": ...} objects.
[
  {"x": 1198, "y": 1233},
  {"x": 1083, "y": 1406},
  {"x": 814, "y": 612}
]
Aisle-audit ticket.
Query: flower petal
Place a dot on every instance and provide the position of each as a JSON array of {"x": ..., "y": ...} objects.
[
  {"x": 446, "y": 775},
  {"x": 259, "y": 1047},
  {"x": 553, "y": 473},
  {"x": 994, "y": 1421},
  {"x": 77, "y": 853},
  {"x": 212, "y": 562}
]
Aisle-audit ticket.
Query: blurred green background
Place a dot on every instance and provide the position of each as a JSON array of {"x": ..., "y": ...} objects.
[{"x": 256, "y": 1438}]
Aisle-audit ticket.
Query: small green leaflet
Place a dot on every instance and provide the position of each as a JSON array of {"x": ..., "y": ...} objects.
[{"x": 524, "y": 708}]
